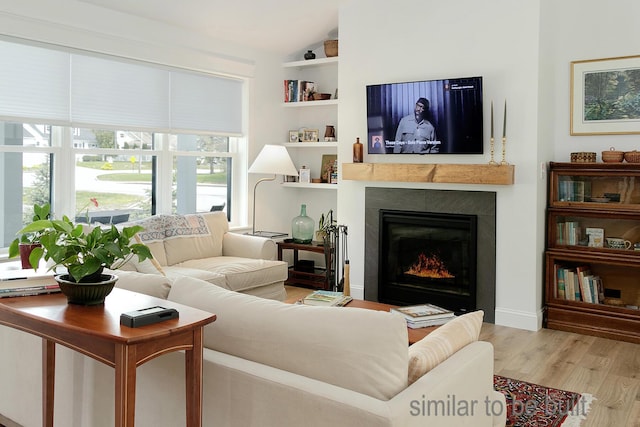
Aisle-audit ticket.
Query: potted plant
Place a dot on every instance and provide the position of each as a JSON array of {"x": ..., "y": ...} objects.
[
  {"x": 26, "y": 242},
  {"x": 85, "y": 254},
  {"x": 326, "y": 225}
]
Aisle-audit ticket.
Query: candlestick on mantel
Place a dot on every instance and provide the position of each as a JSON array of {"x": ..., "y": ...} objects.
[
  {"x": 504, "y": 122},
  {"x": 504, "y": 135},
  {"x": 491, "y": 160}
]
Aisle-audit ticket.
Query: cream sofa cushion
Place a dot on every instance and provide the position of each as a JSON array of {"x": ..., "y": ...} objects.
[
  {"x": 436, "y": 347},
  {"x": 152, "y": 235},
  {"x": 155, "y": 285},
  {"x": 175, "y": 271},
  {"x": 190, "y": 236},
  {"x": 357, "y": 349},
  {"x": 241, "y": 273}
]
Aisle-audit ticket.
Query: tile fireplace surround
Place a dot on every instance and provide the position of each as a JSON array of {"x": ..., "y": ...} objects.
[{"x": 479, "y": 203}]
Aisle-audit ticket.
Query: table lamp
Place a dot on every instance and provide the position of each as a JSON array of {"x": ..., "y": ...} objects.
[{"x": 272, "y": 159}]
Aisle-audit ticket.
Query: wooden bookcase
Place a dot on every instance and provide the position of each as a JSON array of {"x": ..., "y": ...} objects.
[{"x": 584, "y": 201}]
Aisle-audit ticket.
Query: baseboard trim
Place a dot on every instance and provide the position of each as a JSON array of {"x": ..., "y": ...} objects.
[{"x": 519, "y": 319}]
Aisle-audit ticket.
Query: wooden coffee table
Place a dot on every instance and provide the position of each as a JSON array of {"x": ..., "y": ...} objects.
[{"x": 415, "y": 335}]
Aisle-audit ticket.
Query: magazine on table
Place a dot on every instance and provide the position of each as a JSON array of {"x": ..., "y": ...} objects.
[
  {"x": 427, "y": 323},
  {"x": 326, "y": 298},
  {"x": 423, "y": 312},
  {"x": 26, "y": 283}
]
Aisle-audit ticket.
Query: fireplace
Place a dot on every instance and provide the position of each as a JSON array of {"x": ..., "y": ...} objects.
[
  {"x": 428, "y": 257},
  {"x": 451, "y": 223}
]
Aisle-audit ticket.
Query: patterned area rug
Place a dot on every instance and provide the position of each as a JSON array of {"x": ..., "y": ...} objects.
[{"x": 535, "y": 405}]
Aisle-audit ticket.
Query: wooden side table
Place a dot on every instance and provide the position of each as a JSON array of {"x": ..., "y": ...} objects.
[
  {"x": 319, "y": 277},
  {"x": 96, "y": 332}
]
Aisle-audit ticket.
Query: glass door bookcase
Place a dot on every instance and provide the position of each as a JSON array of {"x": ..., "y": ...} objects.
[{"x": 592, "y": 260}]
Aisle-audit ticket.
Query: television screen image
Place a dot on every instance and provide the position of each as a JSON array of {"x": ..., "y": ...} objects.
[{"x": 425, "y": 117}]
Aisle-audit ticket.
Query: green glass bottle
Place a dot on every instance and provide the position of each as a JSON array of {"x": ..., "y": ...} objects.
[{"x": 302, "y": 227}]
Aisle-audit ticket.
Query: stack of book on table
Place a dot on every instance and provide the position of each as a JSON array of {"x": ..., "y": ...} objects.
[
  {"x": 424, "y": 315},
  {"x": 326, "y": 298},
  {"x": 18, "y": 283}
]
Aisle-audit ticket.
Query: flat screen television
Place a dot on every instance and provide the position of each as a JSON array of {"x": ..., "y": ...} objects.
[{"x": 425, "y": 117}]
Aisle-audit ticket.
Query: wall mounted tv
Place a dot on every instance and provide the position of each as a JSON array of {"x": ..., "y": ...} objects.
[{"x": 425, "y": 117}]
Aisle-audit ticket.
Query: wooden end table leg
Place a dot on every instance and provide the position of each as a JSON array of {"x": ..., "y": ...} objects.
[
  {"x": 193, "y": 380},
  {"x": 48, "y": 380},
  {"x": 125, "y": 366}
]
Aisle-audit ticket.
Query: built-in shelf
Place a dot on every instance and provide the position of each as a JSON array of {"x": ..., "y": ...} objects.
[
  {"x": 310, "y": 103},
  {"x": 317, "y": 186},
  {"x": 424, "y": 172},
  {"x": 319, "y": 144},
  {"x": 311, "y": 62}
]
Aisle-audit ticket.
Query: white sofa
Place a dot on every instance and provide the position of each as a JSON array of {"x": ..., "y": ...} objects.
[
  {"x": 267, "y": 363},
  {"x": 201, "y": 246}
]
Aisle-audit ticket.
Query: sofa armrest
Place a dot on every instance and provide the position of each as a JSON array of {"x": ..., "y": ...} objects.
[
  {"x": 459, "y": 391},
  {"x": 244, "y": 245}
]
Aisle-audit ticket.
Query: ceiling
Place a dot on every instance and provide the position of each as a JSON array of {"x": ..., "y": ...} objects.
[{"x": 283, "y": 26}]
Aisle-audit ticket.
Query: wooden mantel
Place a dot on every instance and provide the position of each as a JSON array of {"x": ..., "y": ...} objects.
[{"x": 435, "y": 172}]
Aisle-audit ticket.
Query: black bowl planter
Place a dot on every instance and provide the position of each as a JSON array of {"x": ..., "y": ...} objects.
[{"x": 86, "y": 293}]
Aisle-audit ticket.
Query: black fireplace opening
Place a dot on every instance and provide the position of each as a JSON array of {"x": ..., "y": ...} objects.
[{"x": 427, "y": 257}]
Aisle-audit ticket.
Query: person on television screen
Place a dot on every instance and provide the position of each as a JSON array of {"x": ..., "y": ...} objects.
[{"x": 414, "y": 130}]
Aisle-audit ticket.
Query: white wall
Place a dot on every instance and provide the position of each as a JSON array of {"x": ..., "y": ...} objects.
[
  {"x": 418, "y": 40},
  {"x": 573, "y": 30}
]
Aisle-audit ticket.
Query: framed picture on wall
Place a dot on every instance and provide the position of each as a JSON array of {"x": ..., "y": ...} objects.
[
  {"x": 604, "y": 96},
  {"x": 293, "y": 136}
]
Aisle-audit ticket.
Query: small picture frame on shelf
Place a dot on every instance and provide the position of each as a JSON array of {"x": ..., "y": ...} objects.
[
  {"x": 305, "y": 175},
  {"x": 293, "y": 136},
  {"x": 310, "y": 135},
  {"x": 595, "y": 236},
  {"x": 326, "y": 166}
]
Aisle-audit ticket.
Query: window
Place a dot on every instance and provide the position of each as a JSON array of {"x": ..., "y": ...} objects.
[
  {"x": 25, "y": 174},
  {"x": 201, "y": 173},
  {"x": 120, "y": 139},
  {"x": 113, "y": 175}
]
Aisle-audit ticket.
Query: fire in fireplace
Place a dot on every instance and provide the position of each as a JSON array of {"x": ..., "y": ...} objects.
[
  {"x": 428, "y": 257},
  {"x": 431, "y": 267}
]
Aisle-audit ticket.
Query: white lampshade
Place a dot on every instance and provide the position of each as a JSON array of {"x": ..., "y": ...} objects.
[{"x": 273, "y": 159}]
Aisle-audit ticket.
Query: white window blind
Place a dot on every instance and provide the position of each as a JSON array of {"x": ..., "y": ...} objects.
[
  {"x": 34, "y": 83},
  {"x": 54, "y": 86},
  {"x": 108, "y": 93},
  {"x": 206, "y": 103}
]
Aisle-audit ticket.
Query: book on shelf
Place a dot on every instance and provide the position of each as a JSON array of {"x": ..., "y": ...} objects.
[
  {"x": 578, "y": 284},
  {"x": 326, "y": 298},
  {"x": 298, "y": 90},
  {"x": 560, "y": 283},
  {"x": 421, "y": 312},
  {"x": 568, "y": 233},
  {"x": 584, "y": 274}
]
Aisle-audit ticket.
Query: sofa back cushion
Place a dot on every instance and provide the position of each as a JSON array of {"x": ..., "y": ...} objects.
[
  {"x": 194, "y": 236},
  {"x": 357, "y": 349},
  {"x": 153, "y": 237}
]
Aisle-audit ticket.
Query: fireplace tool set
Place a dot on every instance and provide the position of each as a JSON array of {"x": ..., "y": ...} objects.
[{"x": 337, "y": 259}]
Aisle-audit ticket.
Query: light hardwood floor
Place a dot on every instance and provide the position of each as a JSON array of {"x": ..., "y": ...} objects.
[{"x": 607, "y": 369}]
